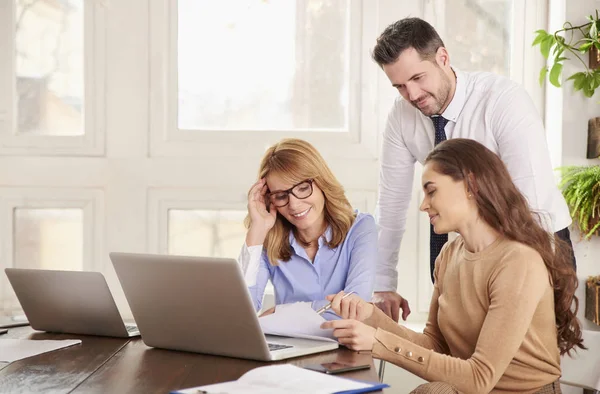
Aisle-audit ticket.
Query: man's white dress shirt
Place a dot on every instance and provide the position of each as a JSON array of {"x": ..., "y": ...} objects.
[{"x": 488, "y": 108}]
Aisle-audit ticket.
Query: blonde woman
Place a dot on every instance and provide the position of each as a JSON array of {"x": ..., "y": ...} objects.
[{"x": 303, "y": 234}]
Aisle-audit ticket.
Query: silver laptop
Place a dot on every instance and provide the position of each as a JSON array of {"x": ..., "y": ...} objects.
[
  {"x": 201, "y": 305},
  {"x": 71, "y": 302}
]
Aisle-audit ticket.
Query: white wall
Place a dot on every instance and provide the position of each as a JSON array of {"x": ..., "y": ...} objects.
[
  {"x": 567, "y": 130},
  {"x": 566, "y": 123}
]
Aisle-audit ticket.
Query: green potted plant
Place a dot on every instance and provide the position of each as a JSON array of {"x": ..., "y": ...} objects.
[
  {"x": 581, "y": 188},
  {"x": 560, "y": 48}
]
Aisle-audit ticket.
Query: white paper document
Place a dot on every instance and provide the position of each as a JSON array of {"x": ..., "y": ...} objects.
[
  {"x": 16, "y": 349},
  {"x": 296, "y": 320},
  {"x": 277, "y": 379}
]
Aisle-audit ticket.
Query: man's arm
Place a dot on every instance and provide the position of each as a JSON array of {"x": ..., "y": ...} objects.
[
  {"x": 395, "y": 189},
  {"x": 522, "y": 146}
]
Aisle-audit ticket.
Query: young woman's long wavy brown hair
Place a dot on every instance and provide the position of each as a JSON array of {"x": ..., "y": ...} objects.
[
  {"x": 504, "y": 208},
  {"x": 296, "y": 160}
]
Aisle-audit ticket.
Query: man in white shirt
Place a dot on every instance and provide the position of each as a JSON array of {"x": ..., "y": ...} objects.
[{"x": 439, "y": 102}]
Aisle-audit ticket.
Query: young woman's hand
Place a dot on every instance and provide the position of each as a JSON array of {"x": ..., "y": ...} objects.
[
  {"x": 352, "y": 334},
  {"x": 351, "y": 307},
  {"x": 262, "y": 220}
]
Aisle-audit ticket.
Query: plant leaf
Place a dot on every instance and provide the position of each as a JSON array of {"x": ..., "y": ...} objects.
[
  {"x": 594, "y": 82},
  {"x": 546, "y": 44},
  {"x": 555, "y": 74},
  {"x": 588, "y": 92},
  {"x": 578, "y": 80},
  {"x": 541, "y": 34},
  {"x": 542, "y": 77},
  {"x": 583, "y": 48},
  {"x": 594, "y": 31}
]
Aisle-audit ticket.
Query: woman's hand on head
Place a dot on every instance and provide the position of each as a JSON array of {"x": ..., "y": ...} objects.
[
  {"x": 263, "y": 220},
  {"x": 351, "y": 307},
  {"x": 352, "y": 333}
]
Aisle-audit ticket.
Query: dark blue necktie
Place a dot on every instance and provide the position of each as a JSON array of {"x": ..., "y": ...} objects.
[{"x": 437, "y": 241}]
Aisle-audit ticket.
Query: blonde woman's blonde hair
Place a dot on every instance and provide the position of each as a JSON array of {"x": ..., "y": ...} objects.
[{"x": 295, "y": 161}]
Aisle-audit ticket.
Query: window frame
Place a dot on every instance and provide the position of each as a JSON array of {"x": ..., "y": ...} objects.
[
  {"x": 166, "y": 139},
  {"x": 90, "y": 201},
  {"x": 92, "y": 142}
]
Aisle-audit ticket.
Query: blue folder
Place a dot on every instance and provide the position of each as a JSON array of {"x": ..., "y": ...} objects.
[{"x": 374, "y": 387}]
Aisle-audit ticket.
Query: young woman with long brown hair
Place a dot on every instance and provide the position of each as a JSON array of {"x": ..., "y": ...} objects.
[{"x": 503, "y": 308}]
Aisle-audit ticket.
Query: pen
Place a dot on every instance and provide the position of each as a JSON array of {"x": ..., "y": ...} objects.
[{"x": 328, "y": 306}]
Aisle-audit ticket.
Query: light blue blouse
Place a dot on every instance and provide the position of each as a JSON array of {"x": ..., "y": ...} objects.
[{"x": 349, "y": 267}]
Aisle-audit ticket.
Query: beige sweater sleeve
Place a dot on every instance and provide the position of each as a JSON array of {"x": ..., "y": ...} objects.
[
  {"x": 431, "y": 337},
  {"x": 515, "y": 290}
]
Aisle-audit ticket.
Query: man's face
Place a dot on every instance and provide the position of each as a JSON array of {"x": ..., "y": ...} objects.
[{"x": 423, "y": 83}]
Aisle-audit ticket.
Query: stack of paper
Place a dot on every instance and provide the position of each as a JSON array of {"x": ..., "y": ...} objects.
[
  {"x": 297, "y": 320},
  {"x": 277, "y": 379}
]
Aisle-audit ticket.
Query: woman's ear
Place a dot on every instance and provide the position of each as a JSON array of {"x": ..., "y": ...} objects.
[{"x": 471, "y": 185}]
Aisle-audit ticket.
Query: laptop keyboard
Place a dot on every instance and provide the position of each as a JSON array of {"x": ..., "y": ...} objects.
[
  {"x": 131, "y": 328},
  {"x": 275, "y": 346}
]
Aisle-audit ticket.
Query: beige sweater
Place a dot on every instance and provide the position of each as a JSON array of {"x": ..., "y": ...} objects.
[{"x": 491, "y": 325}]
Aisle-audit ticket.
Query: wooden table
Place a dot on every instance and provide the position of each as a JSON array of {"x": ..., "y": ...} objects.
[{"x": 115, "y": 365}]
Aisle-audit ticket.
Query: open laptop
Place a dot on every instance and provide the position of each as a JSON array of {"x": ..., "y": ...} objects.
[
  {"x": 71, "y": 302},
  {"x": 201, "y": 305}
]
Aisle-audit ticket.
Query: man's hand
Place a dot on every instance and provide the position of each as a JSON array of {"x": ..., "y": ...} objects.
[{"x": 391, "y": 303}]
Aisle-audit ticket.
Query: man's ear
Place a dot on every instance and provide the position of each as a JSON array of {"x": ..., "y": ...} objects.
[{"x": 442, "y": 57}]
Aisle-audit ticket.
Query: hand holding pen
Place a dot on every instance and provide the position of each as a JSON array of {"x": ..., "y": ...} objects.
[
  {"x": 321, "y": 310},
  {"x": 349, "y": 306}
]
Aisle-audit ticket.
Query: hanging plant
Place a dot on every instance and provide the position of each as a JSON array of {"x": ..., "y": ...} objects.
[
  {"x": 581, "y": 188},
  {"x": 559, "y": 48}
]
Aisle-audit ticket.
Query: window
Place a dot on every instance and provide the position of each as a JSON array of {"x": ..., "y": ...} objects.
[
  {"x": 49, "y": 67},
  {"x": 237, "y": 75},
  {"x": 263, "y": 65},
  {"x": 219, "y": 233},
  {"x": 53, "y": 79},
  {"x": 48, "y": 238},
  {"x": 477, "y": 33},
  {"x": 48, "y": 228}
]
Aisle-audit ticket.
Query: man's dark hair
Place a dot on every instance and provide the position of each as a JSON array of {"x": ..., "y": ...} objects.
[{"x": 406, "y": 33}]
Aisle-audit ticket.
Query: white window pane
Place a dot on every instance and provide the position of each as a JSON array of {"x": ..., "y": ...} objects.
[
  {"x": 478, "y": 34},
  {"x": 206, "y": 233},
  {"x": 263, "y": 65},
  {"x": 49, "y": 67},
  {"x": 48, "y": 238}
]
